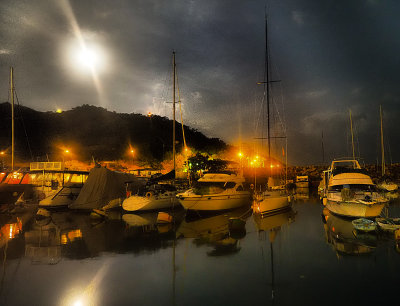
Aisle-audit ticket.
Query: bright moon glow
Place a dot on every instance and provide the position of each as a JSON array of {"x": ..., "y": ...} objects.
[
  {"x": 78, "y": 303},
  {"x": 88, "y": 57}
]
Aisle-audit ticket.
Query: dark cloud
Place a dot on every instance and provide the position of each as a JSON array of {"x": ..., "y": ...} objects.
[{"x": 329, "y": 55}]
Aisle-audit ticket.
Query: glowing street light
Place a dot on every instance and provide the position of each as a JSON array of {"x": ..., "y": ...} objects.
[
  {"x": 65, "y": 152},
  {"x": 2, "y": 153},
  {"x": 132, "y": 152}
]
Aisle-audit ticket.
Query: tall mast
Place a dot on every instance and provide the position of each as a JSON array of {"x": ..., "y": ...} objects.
[
  {"x": 352, "y": 136},
  {"x": 266, "y": 78},
  {"x": 382, "y": 146},
  {"x": 12, "y": 118},
  {"x": 322, "y": 144},
  {"x": 173, "y": 107}
]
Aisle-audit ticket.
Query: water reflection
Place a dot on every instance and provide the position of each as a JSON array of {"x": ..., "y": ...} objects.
[
  {"x": 193, "y": 260},
  {"x": 345, "y": 240},
  {"x": 221, "y": 231},
  {"x": 302, "y": 194},
  {"x": 271, "y": 225}
]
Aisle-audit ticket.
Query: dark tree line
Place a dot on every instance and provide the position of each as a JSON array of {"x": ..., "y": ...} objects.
[{"x": 95, "y": 131}]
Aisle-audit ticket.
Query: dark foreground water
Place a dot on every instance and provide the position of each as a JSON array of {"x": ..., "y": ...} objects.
[{"x": 301, "y": 257}]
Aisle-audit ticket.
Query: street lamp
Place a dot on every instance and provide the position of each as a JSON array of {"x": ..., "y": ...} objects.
[
  {"x": 2, "y": 153},
  {"x": 133, "y": 155},
  {"x": 65, "y": 152}
]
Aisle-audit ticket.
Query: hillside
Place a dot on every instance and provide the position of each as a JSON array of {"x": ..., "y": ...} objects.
[{"x": 94, "y": 131}]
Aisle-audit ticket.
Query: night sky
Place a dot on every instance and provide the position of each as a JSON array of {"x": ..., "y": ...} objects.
[{"x": 330, "y": 56}]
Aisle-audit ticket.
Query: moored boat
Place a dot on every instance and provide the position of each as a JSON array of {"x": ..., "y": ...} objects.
[
  {"x": 388, "y": 224},
  {"x": 364, "y": 225},
  {"x": 216, "y": 191},
  {"x": 388, "y": 186},
  {"x": 153, "y": 197},
  {"x": 272, "y": 201},
  {"x": 350, "y": 191},
  {"x": 302, "y": 181}
]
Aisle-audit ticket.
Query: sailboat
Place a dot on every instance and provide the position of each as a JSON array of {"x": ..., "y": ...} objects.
[
  {"x": 12, "y": 183},
  {"x": 385, "y": 183},
  {"x": 270, "y": 200},
  {"x": 157, "y": 195}
]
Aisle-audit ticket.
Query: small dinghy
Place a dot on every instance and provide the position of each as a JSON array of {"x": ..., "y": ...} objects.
[
  {"x": 364, "y": 225},
  {"x": 388, "y": 224}
]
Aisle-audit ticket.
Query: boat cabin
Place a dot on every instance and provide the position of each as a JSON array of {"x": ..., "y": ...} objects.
[{"x": 214, "y": 183}]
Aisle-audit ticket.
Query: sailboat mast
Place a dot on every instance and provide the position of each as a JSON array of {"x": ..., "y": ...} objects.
[
  {"x": 173, "y": 107},
  {"x": 352, "y": 135},
  {"x": 323, "y": 150},
  {"x": 266, "y": 76},
  {"x": 382, "y": 146},
  {"x": 12, "y": 118}
]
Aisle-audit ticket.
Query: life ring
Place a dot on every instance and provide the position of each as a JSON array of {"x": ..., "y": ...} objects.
[{"x": 149, "y": 194}]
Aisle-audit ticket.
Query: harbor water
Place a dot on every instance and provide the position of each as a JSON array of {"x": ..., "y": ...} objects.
[{"x": 300, "y": 257}]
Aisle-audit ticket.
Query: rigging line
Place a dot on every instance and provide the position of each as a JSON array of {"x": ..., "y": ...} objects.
[
  {"x": 260, "y": 116},
  {"x": 23, "y": 123},
  {"x": 283, "y": 122},
  {"x": 165, "y": 93},
  {"x": 390, "y": 151},
  {"x": 357, "y": 141},
  {"x": 180, "y": 110}
]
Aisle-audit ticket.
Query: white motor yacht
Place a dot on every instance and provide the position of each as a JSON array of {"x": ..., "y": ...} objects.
[
  {"x": 302, "y": 181},
  {"x": 216, "y": 191},
  {"x": 350, "y": 191}
]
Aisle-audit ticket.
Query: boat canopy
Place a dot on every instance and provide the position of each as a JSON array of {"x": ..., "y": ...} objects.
[
  {"x": 166, "y": 177},
  {"x": 102, "y": 186},
  {"x": 350, "y": 179}
]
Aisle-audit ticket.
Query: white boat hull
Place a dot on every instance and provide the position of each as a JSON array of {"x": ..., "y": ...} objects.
[
  {"x": 139, "y": 203},
  {"x": 355, "y": 209},
  {"x": 61, "y": 198},
  {"x": 214, "y": 202},
  {"x": 271, "y": 202}
]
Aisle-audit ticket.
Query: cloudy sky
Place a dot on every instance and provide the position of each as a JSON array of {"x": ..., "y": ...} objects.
[{"x": 330, "y": 56}]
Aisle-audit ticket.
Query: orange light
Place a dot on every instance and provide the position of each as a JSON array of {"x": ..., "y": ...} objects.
[
  {"x": 2, "y": 153},
  {"x": 66, "y": 151},
  {"x": 149, "y": 114},
  {"x": 11, "y": 231},
  {"x": 271, "y": 166},
  {"x": 240, "y": 154}
]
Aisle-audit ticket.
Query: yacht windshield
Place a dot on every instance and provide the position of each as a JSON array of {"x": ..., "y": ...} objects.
[
  {"x": 354, "y": 187},
  {"x": 209, "y": 187}
]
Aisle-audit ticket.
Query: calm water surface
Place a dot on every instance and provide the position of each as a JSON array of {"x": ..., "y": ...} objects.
[{"x": 301, "y": 257}]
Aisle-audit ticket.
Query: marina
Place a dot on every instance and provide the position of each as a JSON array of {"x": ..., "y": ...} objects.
[
  {"x": 295, "y": 256},
  {"x": 199, "y": 153}
]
